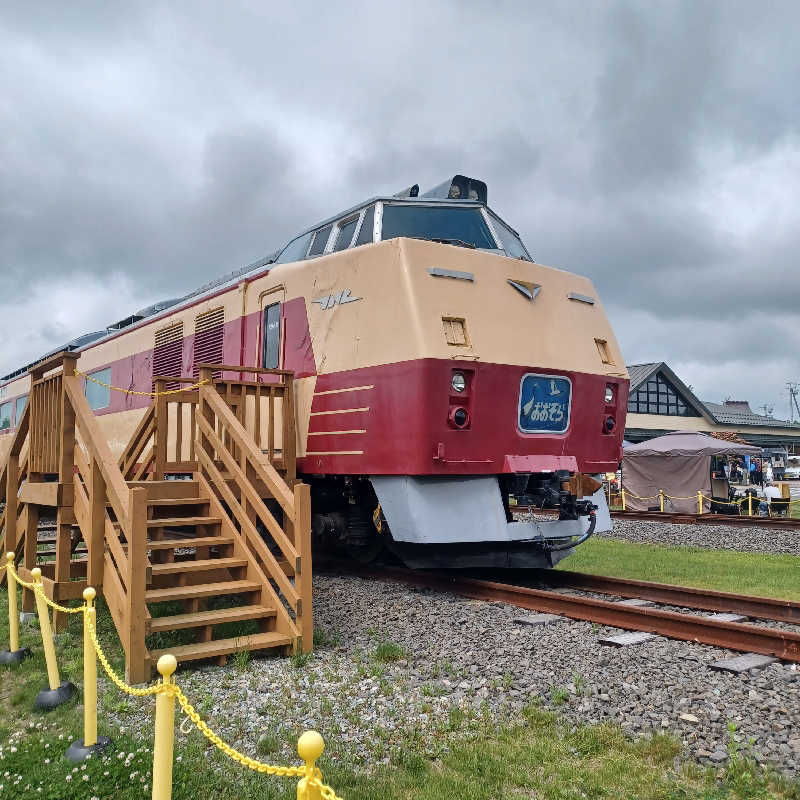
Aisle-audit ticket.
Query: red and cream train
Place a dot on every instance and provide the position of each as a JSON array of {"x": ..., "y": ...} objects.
[{"x": 439, "y": 370}]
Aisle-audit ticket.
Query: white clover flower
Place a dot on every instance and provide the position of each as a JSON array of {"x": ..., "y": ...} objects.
[
  {"x": 85, "y": 778},
  {"x": 68, "y": 778}
]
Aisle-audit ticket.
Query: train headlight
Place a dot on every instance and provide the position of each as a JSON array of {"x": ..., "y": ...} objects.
[
  {"x": 459, "y": 417},
  {"x": 459, "y": 382},
  {"x": 609, "y": 394}
]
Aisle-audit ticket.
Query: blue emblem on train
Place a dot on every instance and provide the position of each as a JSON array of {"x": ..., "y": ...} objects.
[{"x": 544, "y": 404}]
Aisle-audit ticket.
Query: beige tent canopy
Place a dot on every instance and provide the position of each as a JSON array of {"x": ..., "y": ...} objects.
[{"x": 678, "y": 463}]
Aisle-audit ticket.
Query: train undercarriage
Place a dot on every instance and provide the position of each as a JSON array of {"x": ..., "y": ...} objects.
[{"x": 457, "y": 521}]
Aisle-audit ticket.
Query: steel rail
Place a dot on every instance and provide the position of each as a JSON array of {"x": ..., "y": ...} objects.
[
  {"x": 684, "y": 596},
  {"x": 783, "y": 644}
]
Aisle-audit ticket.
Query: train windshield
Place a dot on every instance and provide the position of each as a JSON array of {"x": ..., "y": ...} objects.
[{"x": 465, "y": 226}]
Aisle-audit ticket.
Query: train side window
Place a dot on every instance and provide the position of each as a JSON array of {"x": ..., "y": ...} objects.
[
  {"x": 272, "y": 336},
  {"x": 346, "y": 230},
  {"x": 366, "y": 232},
  {"x": 98, "y": 396},
  {"x": 320, "y": 240},
  {"x": 5, "y": 416}
]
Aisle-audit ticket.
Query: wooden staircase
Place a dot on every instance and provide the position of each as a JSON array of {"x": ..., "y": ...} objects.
[
  {"x": 195, "y": 563},
  {"x": 198, "y": 539}
]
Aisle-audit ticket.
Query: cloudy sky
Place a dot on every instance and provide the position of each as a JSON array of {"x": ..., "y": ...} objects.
[{"x": 654, "y": 146}]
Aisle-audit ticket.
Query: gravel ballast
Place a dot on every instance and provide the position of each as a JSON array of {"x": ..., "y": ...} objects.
[
  {"x": 462, "y": 664},
  {"x": 713, "y": 537}
]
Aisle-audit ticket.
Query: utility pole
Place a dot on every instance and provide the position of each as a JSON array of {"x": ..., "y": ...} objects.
[{"x": 793, "y": 389}]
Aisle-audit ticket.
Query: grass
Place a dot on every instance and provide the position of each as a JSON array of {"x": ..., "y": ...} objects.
[
  {"x": 533, "y": 755},
  {"x": 765, "y": 575}
]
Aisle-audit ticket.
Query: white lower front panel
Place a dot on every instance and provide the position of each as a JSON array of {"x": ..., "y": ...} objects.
[{"x": 427, "y": 510}]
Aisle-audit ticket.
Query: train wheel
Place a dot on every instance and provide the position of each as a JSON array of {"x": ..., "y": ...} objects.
[{"x": 362, "y": 543}]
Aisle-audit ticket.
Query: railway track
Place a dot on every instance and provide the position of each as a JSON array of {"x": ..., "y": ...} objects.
[
  {"x": 744, "y": 521},
  {"x": 745, "y": 637},
  {"x": 785, "y": 523}
]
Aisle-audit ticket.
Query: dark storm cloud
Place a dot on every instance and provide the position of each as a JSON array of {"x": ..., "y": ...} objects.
[{"x": 149, "y": 147}]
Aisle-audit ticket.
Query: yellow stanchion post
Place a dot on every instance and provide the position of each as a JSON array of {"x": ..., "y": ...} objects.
[
  {"x": 309, "y": 747},
  {"x": 661, "y": 500},
  {"x": 14, "y": 654},
  {"x": 164, "y": 743},
  {"x": 750, "y": 505},
  {"x": 699, "y": 503},
  {"x": 58, "y": 692},
  {"x": 81, "y": 749},
  {"x": 622, "y": 492}
]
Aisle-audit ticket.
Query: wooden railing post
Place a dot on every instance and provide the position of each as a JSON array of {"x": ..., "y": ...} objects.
[
  {"x": 289, "y": 443},
  {"x": 136, "y": 667},
  {"x": 12, "y": 487},
  {"x": 97, "y": 524},
  {"x": 65, "y": 515},
  {"x": 302, "y": 540},
  {"x": 161, "y": 431}
]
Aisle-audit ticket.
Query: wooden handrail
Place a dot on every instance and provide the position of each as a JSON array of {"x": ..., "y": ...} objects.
[
  {"x": 50, "y": 363},
  {"x": 260, "y": 463},
  {"x": 141, "y": 436},
  {"x": 240, "y": 368},
  {"x": 99, "y": 450}
]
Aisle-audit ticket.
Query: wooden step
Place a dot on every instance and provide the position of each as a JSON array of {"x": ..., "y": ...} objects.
[
  {"x": 221, "y": 647},
  {"x": 201, "y": 590},
  {"x": 199, "y": 619},
  {"x": 189, "y": 541},
  {"x": 177, "y": 567},
  {"x": 182, "y": 522},
  {"x": 162, "y": 490},
  {"x": 177, "y": 501}
]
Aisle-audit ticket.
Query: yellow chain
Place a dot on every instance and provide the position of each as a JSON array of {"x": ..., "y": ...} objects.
[
  {"x": 165, "y": 393},
  {"x": 241, "y": 758},
  {"x": 120, "y": 684},
  {"x": 314, "y": 776},
  {"x": 37, "y": 588},
  {"x": 13, "y": 573}
]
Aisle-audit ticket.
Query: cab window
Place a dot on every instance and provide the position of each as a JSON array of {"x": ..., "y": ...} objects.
[
  {"x": 296, "y": 249},
  {"x": 320, "y": 240},
  {"x": 5, "y": 416},
  {"x": 272, "y": 336},
  {"x": 366, "y": 232},
  {"x": 346, "y": 230},
  {"x": 512, "y": 244}
]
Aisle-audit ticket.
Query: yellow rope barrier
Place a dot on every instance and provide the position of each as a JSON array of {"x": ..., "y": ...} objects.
[
  {"x": 311, "y": 775},
  {"x": 165, "y": 393}
]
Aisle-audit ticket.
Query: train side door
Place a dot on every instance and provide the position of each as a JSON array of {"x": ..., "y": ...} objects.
[
  {"x": 273, "y": 328},
  {"x": 272, "y": 344}
]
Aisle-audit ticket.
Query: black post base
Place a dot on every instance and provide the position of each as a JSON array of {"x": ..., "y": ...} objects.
[
  {"x": 14, "y": 656},
  {"x": 78, "y": 751},
  {"x": 48, "y": 699}
]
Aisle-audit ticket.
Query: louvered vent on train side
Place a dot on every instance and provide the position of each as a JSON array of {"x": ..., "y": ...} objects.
[
  {"x": 168, "y": 354},
  {"x": 208, "y": 337}
]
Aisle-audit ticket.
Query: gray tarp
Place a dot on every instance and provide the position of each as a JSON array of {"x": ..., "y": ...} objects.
[{"x": 678, "y": 463}]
